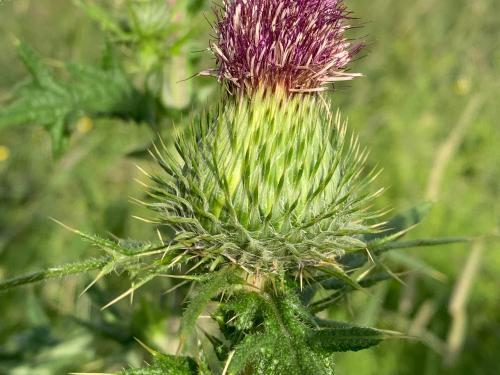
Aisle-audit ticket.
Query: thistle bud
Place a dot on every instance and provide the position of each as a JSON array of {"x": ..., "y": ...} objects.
[{"x": 273, "y": 185}]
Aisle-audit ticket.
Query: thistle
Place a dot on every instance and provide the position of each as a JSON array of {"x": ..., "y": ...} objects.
[
  {"x": 270, "y": 182},
  {"x": 269, "y": 199}
]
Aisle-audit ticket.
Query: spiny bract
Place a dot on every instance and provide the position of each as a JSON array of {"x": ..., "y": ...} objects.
[
  {"x": 297, "y": 45},
  {"x": 270, "y": 183}
]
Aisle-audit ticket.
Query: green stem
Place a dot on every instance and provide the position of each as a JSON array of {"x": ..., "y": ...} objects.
[{"x": 54, "y": 272}]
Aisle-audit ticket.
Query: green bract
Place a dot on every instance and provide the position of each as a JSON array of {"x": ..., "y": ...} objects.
[{"x": 271, "y": 183}]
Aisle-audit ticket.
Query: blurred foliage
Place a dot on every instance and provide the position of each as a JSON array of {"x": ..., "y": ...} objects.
[
  {"x": 91, "y": 90},
  {"x": 426, "y": 109}
]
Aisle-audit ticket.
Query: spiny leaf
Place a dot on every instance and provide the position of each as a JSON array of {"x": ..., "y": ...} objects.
[
  {"x": 218, "y": 346},
  {"x": 402, "y": 221},
  {"x": 245, "y": 307},
  {"x": 421, "y": 243},
  {"x": 305, "y": 343},
  {"x": 55, "y": 272},
  {"x": 340, "y": 274},
  {"x": 113, "y": 248},
  {"x": 278, "y": 345},
  {"x": 238, "y": 315},
  {"x": 275, "y": 354},
  {"x": 365, "y": 282},
  {"x": 356, "y": 260},
  {"x": 212, "y": 286},
  {"x": 91, "y": 90},
  {"x": 249, "y": 350},
  {"x": 345, "y": 337},
  {"x": 41, "y": 74},
  {"x": 167, "y": 365}
]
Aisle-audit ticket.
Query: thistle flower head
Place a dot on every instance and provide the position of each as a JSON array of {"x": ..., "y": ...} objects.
[
  {"x": 295, "y": 45},
  {"x": 269, "y": 181}
]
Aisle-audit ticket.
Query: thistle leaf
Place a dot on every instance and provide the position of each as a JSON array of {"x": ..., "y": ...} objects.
[
  {"x": 423, "y": 242},
  {"x": 285, "y": 325},
  {"x": 402, "y": 221},
  {"x": 55, "y": 272},
  {"x": 343, "y": 337},
  {"x": 366, "y": 282},
  {"x": 167, "y": 365},
  {"x": 91, "y": 90},
  {"x": 388, "y": 235},
  {"x": 260, "y": 354},
  {"x": 211, "y": 287},
  {"x": 340, "y": 275}
]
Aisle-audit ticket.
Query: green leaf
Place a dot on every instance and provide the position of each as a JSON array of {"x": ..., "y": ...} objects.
[
  {"x": 402, "y": 221},
  {"x": 211, "y": 287},
  {"x": 423, "y": 242},
  {"x": 278, "y": 345},
  {"x": 236, "y": 317},
  {"x": 277, "y": 354},
  {"x": 166, "y": 365},
  {"x": 244, "y": 307},
  {"x": 343, "y": 337},
  {"x": 339, "y": 274},
  {"x": 392, "y": 231},
  {"x": 114, "y": 248},
  {"x": 54, "y": 272},
  {"x": 366, "y": 282},
  {"x": 91, "y": 90},
  {"x": 41, "y": 74},
  {"x": 389, "y": 239},
  {"x": 219, "y": 348}
]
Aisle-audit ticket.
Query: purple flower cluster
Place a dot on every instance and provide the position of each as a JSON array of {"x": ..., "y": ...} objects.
[{"x": 295, "y": 45}]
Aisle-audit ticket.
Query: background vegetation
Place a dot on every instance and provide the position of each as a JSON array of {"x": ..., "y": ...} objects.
[{"x": 427, "y": 109}]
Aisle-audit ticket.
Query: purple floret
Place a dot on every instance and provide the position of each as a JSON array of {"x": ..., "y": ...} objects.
[{"x": 296, "y": 45}]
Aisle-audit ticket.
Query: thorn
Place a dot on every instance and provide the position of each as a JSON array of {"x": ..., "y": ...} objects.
[
  {"x": 160, "y": 236},
  {"x": 146, "y": 220},
  {"x": 176, "y": 287},
  {"x": 76, "y": 231},
  {"x": 98, "y": 277},
  {"x": 147, "y": 348},
  {"x": 229, "y": 359},
  {"x": 142, "y": 170},
  {"x": 301, "y": 280},
  {"x": 392, "y": 274},
  {"x": 370, "y": 256},
  {"x": 179, "y": 348},
  {"x": 120, "y": 297}
]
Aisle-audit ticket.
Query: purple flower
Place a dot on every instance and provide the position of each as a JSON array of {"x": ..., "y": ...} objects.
[{"x": 296, "y": 45}]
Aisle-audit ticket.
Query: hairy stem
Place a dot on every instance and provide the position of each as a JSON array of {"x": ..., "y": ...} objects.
[{"x": 54, "y": 272}]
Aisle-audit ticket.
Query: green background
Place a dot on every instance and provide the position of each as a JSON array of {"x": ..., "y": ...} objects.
[{"x": 427, "y": 108}]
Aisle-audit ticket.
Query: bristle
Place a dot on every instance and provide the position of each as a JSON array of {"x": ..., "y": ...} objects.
[
  {"x": 294, "y": 45},
  {"x": 275, "y": 185}
]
